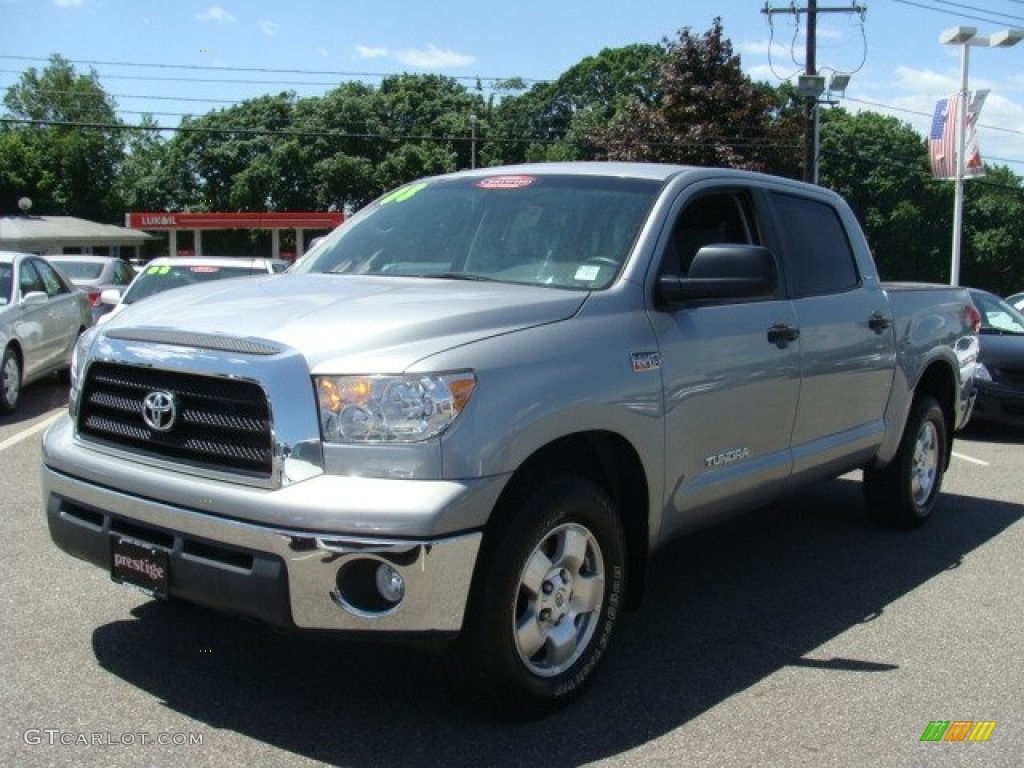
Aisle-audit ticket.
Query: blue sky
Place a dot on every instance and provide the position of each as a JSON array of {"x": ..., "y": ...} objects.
[{"x": 899, "y": 66}]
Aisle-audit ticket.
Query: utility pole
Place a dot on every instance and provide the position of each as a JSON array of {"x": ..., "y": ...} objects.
[
  {"x": 811, "y": 102},
  {"x": 811, "y": 85}
]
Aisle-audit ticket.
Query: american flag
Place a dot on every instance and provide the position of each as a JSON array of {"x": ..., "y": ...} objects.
[{"x": 942, "y": 138}]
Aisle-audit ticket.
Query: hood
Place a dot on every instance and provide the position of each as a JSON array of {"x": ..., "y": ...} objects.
[{"x": 353, "y": 323}]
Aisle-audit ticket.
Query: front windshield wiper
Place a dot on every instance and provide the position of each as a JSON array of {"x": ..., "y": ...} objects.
[
  {"x": 991, "y": 329},
  {"x": 459, "y": 276}
]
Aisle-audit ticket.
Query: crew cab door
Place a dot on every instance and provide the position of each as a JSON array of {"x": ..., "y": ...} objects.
[
  {"x": 730, "y": 365},
  {"x": 846, "y": 336}
]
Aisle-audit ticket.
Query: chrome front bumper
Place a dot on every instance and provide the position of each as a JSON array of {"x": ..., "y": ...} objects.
[{"x": 281, "y": 574}]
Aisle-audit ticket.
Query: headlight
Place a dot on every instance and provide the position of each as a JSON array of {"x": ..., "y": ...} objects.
[
  {"x": 981, "y": 373},
  {"x": 78, "y": 357},
  {"x": 390, "y": 409}
]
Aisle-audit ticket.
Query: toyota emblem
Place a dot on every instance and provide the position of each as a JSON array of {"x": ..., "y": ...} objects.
[{"x": 159, "y": 411}]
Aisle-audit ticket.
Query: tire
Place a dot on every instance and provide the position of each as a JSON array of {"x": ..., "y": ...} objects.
[
  {"x": 10, "y": 381},
  {"x": 546, "y": 596},
  {"x": 904, "y": 493}
]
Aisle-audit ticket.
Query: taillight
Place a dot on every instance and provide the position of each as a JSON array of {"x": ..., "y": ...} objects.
[
  {"x": 973, "y": 317},
  {"x": 94, "y": 298}
]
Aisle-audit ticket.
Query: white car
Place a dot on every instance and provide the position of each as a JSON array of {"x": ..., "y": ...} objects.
[
  {"x": 168, "y": 272},
  {"x": 41, "y": 317}
]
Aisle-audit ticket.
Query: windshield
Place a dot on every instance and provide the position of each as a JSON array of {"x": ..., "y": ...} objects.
[
  {"x": 560, "y": 231},
  {"x": 157, "y": 279},
  {"x": 998, "y": 316},
  {"x": 79, "y": 270}
]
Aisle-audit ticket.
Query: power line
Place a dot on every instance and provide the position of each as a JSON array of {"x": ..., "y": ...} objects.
[
  {"x": 265, "y": 70},
  {"x": 950, "y": 13},
  {"x": 982, "y": 10},
  {"x": 293, "y": 133},
  {"x": 921, "y": 113}
]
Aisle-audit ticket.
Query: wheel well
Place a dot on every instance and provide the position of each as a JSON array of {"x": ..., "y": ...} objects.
[
  {"x": 13, "y": 344},
  {"x": 609, "y": 461},
  {"x": 938, "y": 381}
]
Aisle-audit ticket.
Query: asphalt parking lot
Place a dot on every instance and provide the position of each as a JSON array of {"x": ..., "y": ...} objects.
[{"x": 798, "y": 635}]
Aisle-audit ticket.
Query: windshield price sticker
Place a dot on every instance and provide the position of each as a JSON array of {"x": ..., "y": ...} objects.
[{"x": 506, "y": 182}]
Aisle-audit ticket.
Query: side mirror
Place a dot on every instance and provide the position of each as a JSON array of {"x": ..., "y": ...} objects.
[
  {"x": 724, "y": 271},
  {"x": 34, "y": 299},
  {"x": 111, "y": 297}
]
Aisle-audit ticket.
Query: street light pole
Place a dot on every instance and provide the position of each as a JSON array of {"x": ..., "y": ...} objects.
[
  {"x": 472, "y": 141},
  {"x": 958, "y": 187},
  {"x": 965, "y": 37}
]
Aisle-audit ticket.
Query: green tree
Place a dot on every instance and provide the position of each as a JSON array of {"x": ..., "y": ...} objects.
[
  {"x": 552, "y": 121},
  {"x": 139, "y": 182},
  {"x": 993, "y": 232},
  {"x": 221, "y": 161},
  {"x": 64, "y": 159},
  {"x": 430, "y": 111},
  {"x": 705, "y": 111},
  {"x": 880, "y": 165}
]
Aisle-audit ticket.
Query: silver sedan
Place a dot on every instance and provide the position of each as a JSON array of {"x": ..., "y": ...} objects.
[{"x": 41, "y": 317}]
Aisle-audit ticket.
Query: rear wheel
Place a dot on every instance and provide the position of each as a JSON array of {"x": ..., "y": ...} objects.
[
  {"x": 548, "y": 598},
  {"x": 10, "y": 381},
  {"x": 904, "y": 493}
]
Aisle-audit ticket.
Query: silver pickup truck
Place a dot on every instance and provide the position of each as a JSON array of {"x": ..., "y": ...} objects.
[{"x": 477, "y": 409}]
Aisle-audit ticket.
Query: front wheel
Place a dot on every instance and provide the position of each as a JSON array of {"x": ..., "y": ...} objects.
[
  {"x": 904, "y": 493},
  {"x": 10, "y": 381},
  {"x": 548, "y": 598}
]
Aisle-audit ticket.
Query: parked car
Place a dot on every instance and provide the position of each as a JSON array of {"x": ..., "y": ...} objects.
[
  {"x": 1017, "y": 300},
  {"x": 95, "y": 274},
  {"x": 41, "y": 317},
  {"x": 999, "y": 375},
  {"x": 169, "y": 272}
]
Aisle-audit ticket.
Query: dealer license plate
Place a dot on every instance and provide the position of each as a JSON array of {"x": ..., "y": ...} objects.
[{"x": 139, "y": 565}]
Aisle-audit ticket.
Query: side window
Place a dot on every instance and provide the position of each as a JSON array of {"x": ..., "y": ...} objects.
[
  {"x": 124, "y": 273},
  {"x": 819, "y": 253},
  {"x": 709, "y": 220},
  {"x": 29, "y": 279},
  {"x": 52, "y": 281}
]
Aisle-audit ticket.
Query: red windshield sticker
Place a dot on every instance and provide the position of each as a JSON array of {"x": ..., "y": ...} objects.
[
  {"x": 204, "y": 269},
  {"x": 506, "y": 182}
]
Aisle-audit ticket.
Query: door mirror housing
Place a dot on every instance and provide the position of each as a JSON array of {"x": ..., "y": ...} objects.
[
  {"x": 111, "y": 297},
  {"x": 34, "y": 299},
  {"x": 724, "y": 271}
]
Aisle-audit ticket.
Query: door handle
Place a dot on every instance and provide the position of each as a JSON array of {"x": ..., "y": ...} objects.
[
  {"x": 879, "y": 322},
  {"x": 781, "y": 334}
]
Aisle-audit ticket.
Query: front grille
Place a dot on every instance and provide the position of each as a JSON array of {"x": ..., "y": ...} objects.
[{"x": 219, "y": 424}]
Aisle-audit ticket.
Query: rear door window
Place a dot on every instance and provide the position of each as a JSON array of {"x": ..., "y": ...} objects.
[{"x": 820, "y": 257}]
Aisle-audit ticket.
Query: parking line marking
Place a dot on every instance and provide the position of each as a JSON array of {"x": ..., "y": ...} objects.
[
  {"x": 27, "y": 433},
  {"x": 971, "y": 459}
]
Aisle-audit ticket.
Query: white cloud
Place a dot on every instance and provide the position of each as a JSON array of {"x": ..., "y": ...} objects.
[
  {"x": 217, "y": 14},
  {"x": 371, "y": 52},
  {"x": 829, "y": 33},
  {"x": 69, "y": 3},
  {"x": 323, "y": 52},
  {"x": 269, "y": 28},
  {"x": 433, "y": 57}
]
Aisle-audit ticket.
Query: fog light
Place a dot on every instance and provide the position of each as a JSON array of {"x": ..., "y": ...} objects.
[{"x": 390, "y": 583}]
